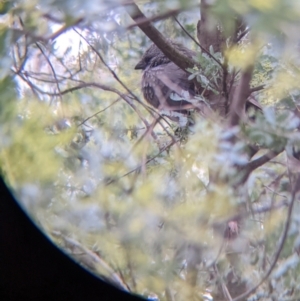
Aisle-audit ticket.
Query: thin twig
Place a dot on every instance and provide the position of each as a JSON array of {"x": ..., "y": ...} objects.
[
  {"x": 199, "y": 45},
  {"x": 137, "y": 168},
  {"x": 280, "y": 247},
  {"x": 119, "y": 81},
  {"x": 242, "y": 35},
  {"x": 51, "y": 37},
  {"x": 92, "y": 259},
  {"x": 113, "y": 73},
  {"x": 150, "y": 110},
  {"x": 50, "y": 65},
  {"x": 101, "y": 111},
  {"x": 224, "y": 287},
  {"x": 224, "y": 84}
]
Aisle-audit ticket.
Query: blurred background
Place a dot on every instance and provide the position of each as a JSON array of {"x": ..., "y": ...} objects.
[{"x": 207, "y": 210}]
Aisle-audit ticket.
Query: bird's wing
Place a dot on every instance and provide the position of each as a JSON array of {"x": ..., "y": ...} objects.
[
  {"x": 167, "y": 86},
  {"x": 177, "y": 80}
]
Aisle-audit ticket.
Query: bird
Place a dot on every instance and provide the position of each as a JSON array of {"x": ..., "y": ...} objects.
[{"x": 165, "y": 86}]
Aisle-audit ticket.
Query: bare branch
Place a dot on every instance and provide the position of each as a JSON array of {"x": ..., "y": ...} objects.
[
  {"x": 199, "y": 45},
  {"x": 225, "y": 290},
  {"x": 150, "y": 110},
  {"x": 162, "y": 16},
  {"x": 281, "y": 244},
  {"x": 113, "y": 73},
  {"x": 224, "y": 84},
  {"x": 256, "y": 89},
  {"x": 91, "y": 259},
  {"x": 206, "y": 36},
  {"x": 254, "y": 164},
  {"x": 140, "y": 166},
  {"x": 50, "y": 64},
  {"x": 158, "y": 39},
  {"x": 99, "y": 112},
  {"x": 262, "y": 160},
  {"x": 125, "y": 97},
  {"x": 51, "y": 37},
  {"x": 240, "y": 97}
]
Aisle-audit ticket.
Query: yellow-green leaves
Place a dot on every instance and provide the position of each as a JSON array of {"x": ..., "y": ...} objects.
[
  {"x": 241, "y": 58},
  {"x": 31, "y": 152}
]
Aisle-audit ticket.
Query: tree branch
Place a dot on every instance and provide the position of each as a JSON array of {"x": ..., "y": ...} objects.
[
  {"x": 280, "y": 247},
  {"x": 91, "y": 259},
  {"x": 150, "y": 110},
  {"x": 101, "y": 111},
  {"x": 240, "y": 97},
  {"x": 50, "y": 37},
  {"x": 256, "y": 89},
  {"x": 200, "y": 46},
  {"x": 165, "y": 15},
  {"x": 158, "y": 39},
  {"x": 50, "y": 65},
  {"x": 254, "y": 164},
  {"x": 206, "y": 36},
  {"x": 140, "y": 166}
]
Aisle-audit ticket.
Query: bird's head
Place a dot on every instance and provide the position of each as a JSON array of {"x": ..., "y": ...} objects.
[{"x": 152, "y": 58}]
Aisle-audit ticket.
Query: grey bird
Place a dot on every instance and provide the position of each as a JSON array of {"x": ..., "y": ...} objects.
[{"x": 164, "y": 85}]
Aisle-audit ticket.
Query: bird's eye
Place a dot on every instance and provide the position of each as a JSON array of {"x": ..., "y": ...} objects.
[{"x": 147, "y": 59}]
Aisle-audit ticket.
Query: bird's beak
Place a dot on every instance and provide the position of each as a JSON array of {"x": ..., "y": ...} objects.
[{"x": 140, "y": 66}]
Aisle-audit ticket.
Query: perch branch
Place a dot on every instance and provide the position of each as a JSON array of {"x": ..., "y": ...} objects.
[{"x": 158, "y": 39}]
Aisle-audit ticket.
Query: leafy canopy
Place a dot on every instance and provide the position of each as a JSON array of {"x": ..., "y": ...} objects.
[{"x": 182, "y": 213}]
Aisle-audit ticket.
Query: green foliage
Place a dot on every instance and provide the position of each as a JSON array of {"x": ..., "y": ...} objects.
[
  {"x": 210, "y": 72},
  {"x": 143, "y": 198},
  {"x": 32, "y": 147}
]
